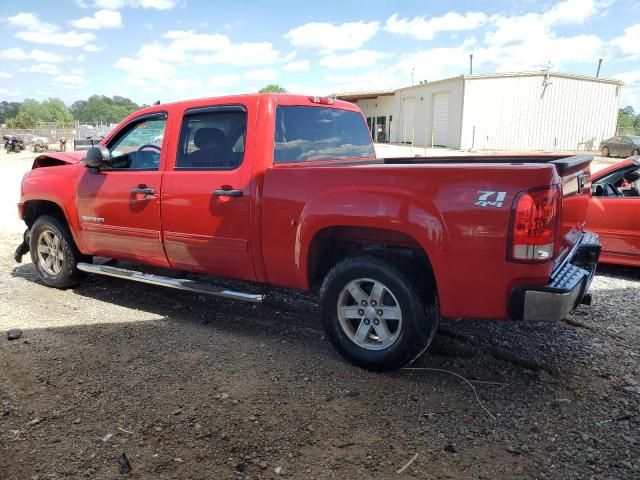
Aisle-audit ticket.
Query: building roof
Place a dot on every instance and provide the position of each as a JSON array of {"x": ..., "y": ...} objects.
[{"x": 364, "y": 95}]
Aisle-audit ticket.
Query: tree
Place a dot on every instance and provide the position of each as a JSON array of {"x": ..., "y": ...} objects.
[
  {"x": 8, "y": 110},
  {"x": 627, "y": 118},
  {"x": 54, "y": 110},
  {"x": 272, "y": 88},
  {"x": 99, "y": 108}
]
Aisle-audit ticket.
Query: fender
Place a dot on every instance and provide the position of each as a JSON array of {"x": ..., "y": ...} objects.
[
  {"x": 56, "y": 184},
  {"x": 393, "y": 209}
]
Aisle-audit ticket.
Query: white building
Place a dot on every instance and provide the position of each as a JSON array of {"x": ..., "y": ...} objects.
[{"x": 505, "y": 111}]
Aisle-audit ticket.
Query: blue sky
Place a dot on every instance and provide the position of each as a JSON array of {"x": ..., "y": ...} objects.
[{"x": 174, "y": 49}]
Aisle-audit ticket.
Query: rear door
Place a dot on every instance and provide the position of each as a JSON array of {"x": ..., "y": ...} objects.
[
  {"x": 119, "y": 206},
  {"x": 206, "y": 196}
]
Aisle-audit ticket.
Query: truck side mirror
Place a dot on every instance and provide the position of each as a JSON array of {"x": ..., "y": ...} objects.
[{"x": 97, "y": 157}]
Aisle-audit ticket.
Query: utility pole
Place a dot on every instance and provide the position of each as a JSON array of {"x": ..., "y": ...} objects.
[{"x": 413, "y": 71}]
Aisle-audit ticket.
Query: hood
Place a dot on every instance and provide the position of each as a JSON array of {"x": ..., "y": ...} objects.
[{"x": 58, "y": 158}]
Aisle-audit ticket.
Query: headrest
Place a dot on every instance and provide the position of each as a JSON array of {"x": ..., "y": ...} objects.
[{"x": 209, "y": 137}]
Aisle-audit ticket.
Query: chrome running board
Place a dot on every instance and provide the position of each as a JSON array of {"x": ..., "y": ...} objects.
[{"x": 177, "y": 283}]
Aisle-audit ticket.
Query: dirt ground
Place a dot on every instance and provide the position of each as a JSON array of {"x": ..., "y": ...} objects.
[{"x": 199, "y": 388}]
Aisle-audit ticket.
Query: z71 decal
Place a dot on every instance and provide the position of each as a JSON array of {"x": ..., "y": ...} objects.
[{"x": 490, "y": 199}]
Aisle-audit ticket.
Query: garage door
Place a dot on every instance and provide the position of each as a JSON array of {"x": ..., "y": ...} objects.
[
  {"x": 441, "y": 119},
  {"x": 408, "y": 115}
]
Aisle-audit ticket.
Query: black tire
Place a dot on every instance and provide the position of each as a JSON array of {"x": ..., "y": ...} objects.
[
  {"x": 605, "y": 151},
  {"x": 69, "y": 275},
  {"x": 418, "y": 307}
]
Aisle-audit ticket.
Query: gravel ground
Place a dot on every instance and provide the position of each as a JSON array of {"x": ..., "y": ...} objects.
[{"x": 195, "y": 387}]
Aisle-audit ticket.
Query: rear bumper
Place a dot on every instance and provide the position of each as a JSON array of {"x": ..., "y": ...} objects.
[{"x": 570, "y": 281}]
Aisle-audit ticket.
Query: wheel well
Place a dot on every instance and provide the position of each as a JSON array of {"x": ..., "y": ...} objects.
[
  {"x": 36, "y": 208},
  {"x": 333, "y": 244}
]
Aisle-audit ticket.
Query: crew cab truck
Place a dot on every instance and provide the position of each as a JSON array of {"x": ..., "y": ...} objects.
[{"x": 286, "y": 190}]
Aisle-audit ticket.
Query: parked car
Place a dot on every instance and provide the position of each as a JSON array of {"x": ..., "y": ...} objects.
[
  {"x": 621, "y": 146},
  {"x": 285, "y": 190},
  {"x": 13, "y": 143},
  {"x": 614, "y": 212}
]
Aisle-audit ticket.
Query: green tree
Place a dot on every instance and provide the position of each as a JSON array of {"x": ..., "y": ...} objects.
[
  {"x": 627, "y": 117},
  {"x": 8, "y": 110},
  {"x": 54, "y": 110},
  {"x": 273, "y": 88},
  {"x": 99, "y": 108},
  {"x": 28, "y": 116}
]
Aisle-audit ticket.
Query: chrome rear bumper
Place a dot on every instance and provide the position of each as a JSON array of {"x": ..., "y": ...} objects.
[{"x": 570, "y": 281}]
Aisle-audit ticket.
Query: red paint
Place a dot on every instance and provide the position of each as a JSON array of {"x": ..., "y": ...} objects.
[
  {"x": 280, "y": 231},
  {"x": 617, "y": 221}
]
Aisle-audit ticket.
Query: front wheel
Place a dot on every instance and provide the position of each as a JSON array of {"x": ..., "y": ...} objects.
[
  {"x": 54, "y": 253},
  {"x": 375, "y": 315}
]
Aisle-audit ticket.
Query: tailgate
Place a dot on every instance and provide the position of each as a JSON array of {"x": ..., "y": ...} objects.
[{"x": 575, "y": 179}]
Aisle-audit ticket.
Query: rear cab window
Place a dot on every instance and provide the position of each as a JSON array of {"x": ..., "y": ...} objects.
[{"x": 320, "y": 133}]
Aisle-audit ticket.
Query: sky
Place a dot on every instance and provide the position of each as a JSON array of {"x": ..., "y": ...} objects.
[{"x": 168, "y": 50}]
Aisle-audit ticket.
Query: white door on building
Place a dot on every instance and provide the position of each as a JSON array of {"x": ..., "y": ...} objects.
[
  {"x": 440, "y": 122},
  {"x": 408, "y": 116}
]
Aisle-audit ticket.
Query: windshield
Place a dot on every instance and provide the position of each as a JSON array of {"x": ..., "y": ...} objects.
[{"x": 317, "y": 133}]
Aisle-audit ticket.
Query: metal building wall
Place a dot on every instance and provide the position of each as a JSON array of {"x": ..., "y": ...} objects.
[
  {"x": 423, "y": 112},
  {"x": 538, "y": 112}
]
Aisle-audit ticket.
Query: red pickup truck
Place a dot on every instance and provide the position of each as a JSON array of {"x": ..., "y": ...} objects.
[{"x": 286, "y": 190}]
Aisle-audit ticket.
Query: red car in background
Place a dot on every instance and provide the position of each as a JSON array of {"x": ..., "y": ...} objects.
[{"x": 614, "y": 212}]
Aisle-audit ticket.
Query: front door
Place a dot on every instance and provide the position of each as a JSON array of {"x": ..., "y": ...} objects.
[
  {"x": 206, "y": 196},
  {"x": 119, "y": 206},
  {"x": 614, "y": 214}
]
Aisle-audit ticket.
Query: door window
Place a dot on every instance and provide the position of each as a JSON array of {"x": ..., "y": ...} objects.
[
  {"x": 212, "y": 139},
  {"x": 139, "y": 145}
]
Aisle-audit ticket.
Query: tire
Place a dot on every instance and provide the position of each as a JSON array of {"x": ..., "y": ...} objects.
[
  {"x": 605, "y": 151},
  {"x": 635, "y": 152},
  {"x": 54, "y": 235},
  {"x": 357, "y": 337}
]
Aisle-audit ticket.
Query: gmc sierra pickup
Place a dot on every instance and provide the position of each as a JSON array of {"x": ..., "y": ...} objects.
[{"x": 286, "y": 190}]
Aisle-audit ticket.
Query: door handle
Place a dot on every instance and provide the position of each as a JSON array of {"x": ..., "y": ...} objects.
[
  {"x": 143, "y": 191},
  {"x": 228, "y": 193}
]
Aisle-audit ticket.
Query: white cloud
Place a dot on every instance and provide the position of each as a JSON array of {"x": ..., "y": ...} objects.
[
  {"x": 357, "y": 59},
  {"x": 5, "y": 75},
  {"x": 66, "y": 39},
  {"x": 423, "y": 28},
  {"x": 242, "y": 55},
  {"x": 32, "y": 29},
  {"x": 71, "y": 80},
  {"x": 329, "y": 37},
  {"x": 263, "y": 74},
  {"x": 90, "y": 47},
  {"x": 631, "y": 89},
  {"x": 297, "y": 66},
  {"x": 629, "y": 42},
  {"x": 147, "y": 68},
  {"x": 46, "y": 68},
  {"x": 102, "y": 19},
  {"x": 37, "y": 55},
  {"x": 147, "y": 4},
  {"x": 187, "y": 41}
]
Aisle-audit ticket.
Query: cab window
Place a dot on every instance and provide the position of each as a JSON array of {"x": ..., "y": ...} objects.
[{"x": 140, "y": 145}]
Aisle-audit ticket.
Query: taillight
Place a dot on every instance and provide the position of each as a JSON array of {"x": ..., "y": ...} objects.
[
  {"x": 322, "y": 100},
  {"x": 534, "y": 225}
]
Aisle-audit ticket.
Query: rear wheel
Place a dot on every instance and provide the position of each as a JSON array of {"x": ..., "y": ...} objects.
[
  {"x": 605, "y": 151},
  {"x": 375, "y": 315},
  {"x": 54, "y": 253},
  {"x": 635, "y": 153}
]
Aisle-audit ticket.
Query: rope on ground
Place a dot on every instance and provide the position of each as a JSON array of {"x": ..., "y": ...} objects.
[{"x": 459, "y": 376}]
